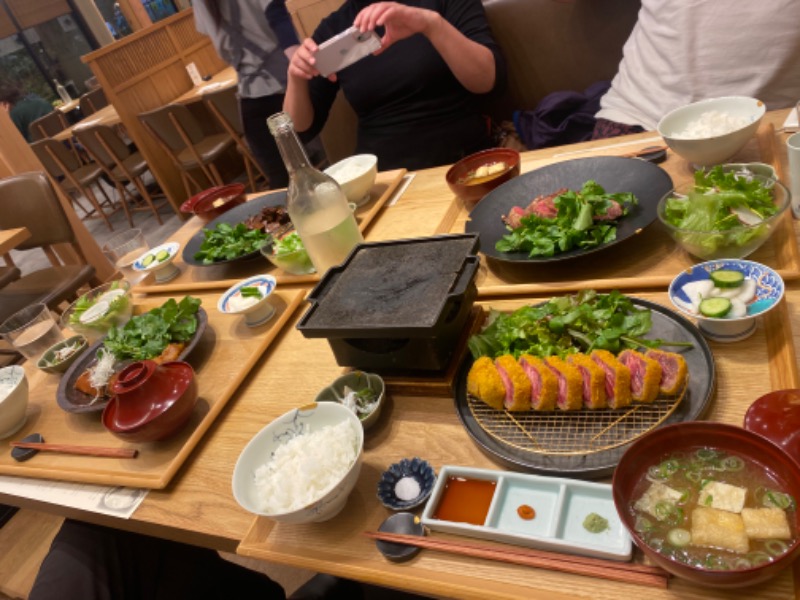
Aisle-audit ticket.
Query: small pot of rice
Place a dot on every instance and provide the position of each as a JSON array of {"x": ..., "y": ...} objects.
[{"x": 301, "y": 467}]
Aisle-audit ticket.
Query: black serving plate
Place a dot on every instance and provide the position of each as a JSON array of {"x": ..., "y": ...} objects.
[
  {"x": 667, "y": 325},
  {"x": 648, "y": 182},
  {"x": 236, "y": 215},
  {"x": 74, "y": 401}
]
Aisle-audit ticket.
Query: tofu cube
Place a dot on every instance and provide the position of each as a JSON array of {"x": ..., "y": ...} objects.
[
  {"x": 713, "y": 528},
  {"x": 766, "y": 524},
  {"x": 657, "y": 492},
  {"x": 722, "y": 496}
]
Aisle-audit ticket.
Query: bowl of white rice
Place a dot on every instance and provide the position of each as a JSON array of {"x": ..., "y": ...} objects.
[
  {"x": 711, "y": 131},
  {"x": 302, "y": 466},
  {"x": 356, "y": 176}
]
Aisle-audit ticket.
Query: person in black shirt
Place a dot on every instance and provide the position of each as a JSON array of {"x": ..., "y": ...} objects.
[{"x": 418, "y": 99}]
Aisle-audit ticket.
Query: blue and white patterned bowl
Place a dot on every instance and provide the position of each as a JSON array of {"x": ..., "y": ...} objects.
[
  {"x": 164, "y": 269},
  {"x": 413, "y": 473},
  {"x": 769, "y": 291},
  {"x": 288, "y": 426},
  {"x": 255, "y": 314}
]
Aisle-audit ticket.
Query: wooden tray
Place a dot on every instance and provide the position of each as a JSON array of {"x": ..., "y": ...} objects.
[
  {"x": 650, "y": 259},
  {"x": 222, "y": 359},
  {"x": 196, "y": 279},
  {"x": 431, "y": 430}
]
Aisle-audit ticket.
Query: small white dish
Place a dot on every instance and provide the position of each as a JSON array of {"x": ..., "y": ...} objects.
[
  {"x": 255, "y": 312},
  {"x": 559, "y": 508},
  {"x": 769, "y": 288},
  {"x": 158, "y": 261},
  {"x": 13, "y": 400}
]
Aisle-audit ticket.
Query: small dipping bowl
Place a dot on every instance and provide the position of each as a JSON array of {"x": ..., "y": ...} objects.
[
  {"x": 13, "y": 400},
  {"x": 404, "y": 523},
  {"x": 769, "y": 291},
  {"x": 49, "y": 363},
  {"x": 406, "y": 484},
  {"x": 471, "y": 190},
  {"x": 256, "y": 313},
  {"x": 356, "y": 380},
  {"x": 158, "y": 261}
]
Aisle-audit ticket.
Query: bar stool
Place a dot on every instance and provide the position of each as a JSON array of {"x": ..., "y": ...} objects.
[{"x": 92, "y": 101}]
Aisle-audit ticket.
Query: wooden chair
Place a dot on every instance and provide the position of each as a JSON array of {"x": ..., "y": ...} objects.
[
  {"x": 28, "y": 200},
  {"x": 92, "y": 101},
  {"x": 75, "y": 177},
  {"x": 121, "y": 165},
  {"x": 47, "y": 126},
  {"x": 182, "y": 137},
  {"x": 224, "y": 105}
]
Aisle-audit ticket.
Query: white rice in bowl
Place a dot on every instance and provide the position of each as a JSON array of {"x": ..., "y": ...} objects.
[
  {"x": 711, "y": 123},
  {"x": 305, "y": 468}
]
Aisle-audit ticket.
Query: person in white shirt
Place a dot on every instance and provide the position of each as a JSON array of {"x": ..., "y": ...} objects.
[{"x": 682, "y": 51}]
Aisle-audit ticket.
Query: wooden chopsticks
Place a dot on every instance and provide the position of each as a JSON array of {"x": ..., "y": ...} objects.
[
  {"x": 567, "y": 563},
  {"x": 82, "y": 450}
]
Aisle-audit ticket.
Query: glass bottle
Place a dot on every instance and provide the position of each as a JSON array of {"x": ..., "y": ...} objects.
[
  {"x": 315, "y": 202},
  {"x": 62, "y": 92}
]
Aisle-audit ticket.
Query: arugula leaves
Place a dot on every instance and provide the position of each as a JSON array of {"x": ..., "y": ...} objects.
[
  {"x": 226, "y": 242},
  {"x": 573, "y": 227},
  {"x": 564, "y": 325},
  {"x": 146, "y": 335}
]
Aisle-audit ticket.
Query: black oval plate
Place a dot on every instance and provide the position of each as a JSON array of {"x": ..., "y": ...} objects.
[
  {"x": 648, "y": 182},
  {"x": 238, "y": 214},
  {"x": 667, "y": 325},
  {"x": 74, "y": 401}
]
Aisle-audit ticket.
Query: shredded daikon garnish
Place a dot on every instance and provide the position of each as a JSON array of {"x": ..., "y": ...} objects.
[{"x": 102, "y": 371}]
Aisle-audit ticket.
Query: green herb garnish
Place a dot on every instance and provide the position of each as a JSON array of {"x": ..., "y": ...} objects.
[
  {"x": 564, "y": 325},
  {"x": 582, "y": 222},
  {"x": 147, "y": 335},
  {"x": 226, "y": 242},
  {"x": 250, "y": 292}
]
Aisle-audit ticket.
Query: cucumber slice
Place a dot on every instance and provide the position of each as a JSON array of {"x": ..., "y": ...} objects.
[
  {"x": 162, "y": 255},
  {"x": 725, "y": 278},
  {"x": 148, "y": 260},
  {"x": 716, "y": 308}
]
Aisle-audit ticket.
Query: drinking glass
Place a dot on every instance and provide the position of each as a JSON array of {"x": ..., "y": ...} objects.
[
  {"x": 123, "y": 249},
  {"x": 31, "y": 330}
]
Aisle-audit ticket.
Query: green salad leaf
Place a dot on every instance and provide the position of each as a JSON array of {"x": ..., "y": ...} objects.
[
  {"x": 289, "y": 244},
  {"x": 711, "y": 215},
  {"x": 226, "y": 242},
  {"x": 147, "y": 335},
  {"x": 565, "y": 325},
  {"x": 573, "y": 227}
]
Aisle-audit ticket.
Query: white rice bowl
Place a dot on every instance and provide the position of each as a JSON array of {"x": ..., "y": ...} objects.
[
  {"x": 710, "y": 131},
  {"x": 356, "y": 176},
  {"x": 301, "y": 467}
]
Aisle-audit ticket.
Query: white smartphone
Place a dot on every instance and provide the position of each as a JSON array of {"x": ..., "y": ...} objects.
[{"x": 344, "y": 49}]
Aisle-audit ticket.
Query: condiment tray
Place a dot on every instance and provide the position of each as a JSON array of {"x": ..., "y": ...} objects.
[{"x": 561, "y": 505}]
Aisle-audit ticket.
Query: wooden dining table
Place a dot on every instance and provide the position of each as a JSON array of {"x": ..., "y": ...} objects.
[
  {"x": 11, "y": 238},
  {"x": 105, "y": 116},
  {"x": 198, "y": 506}
]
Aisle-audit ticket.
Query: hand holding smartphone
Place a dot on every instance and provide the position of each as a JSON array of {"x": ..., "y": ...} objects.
[{"x": 344, "y": 49}]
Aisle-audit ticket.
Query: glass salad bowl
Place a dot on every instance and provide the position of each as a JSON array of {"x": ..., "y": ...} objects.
[{"x": 94, "y": 313}]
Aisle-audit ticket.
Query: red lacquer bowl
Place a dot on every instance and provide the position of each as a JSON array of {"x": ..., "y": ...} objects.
[
  {"x": 754, "y": 448},
  {"x": 472, "y": 193},
  {"x": 211, "y": 203},
  {"x": 151, "y": 402},
  {"x": 776, "y": 416}
]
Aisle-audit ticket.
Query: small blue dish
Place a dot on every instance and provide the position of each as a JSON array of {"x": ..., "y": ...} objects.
[
  {"x": 406, "y": 484},
  {"x": 769, "y": 288}
]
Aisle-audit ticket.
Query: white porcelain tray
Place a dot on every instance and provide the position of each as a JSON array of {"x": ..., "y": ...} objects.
[{"x": 561, "y": 506}]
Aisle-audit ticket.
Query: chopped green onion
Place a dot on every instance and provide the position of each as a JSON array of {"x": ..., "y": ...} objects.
[
  {"x": 777, "y": 499},
  {"x": 759, "y": 558},
  {"x": 776, "y": 547},
  {"x": 679, "y": 537},
  {"x": 250, "y": 292}
]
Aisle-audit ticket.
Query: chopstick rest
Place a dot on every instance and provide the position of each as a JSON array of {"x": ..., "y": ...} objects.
[{"x": 35, "y": 443}]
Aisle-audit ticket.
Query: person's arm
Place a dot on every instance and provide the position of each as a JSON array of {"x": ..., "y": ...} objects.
[
  {"x": 298, "y": 98},
  {"x": 281, "y": 23},
  {"x": 473, "y": 64}
]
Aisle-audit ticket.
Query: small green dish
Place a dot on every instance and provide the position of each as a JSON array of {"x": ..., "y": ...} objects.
[
  {"x": 48, "y": 363},
  {"x": 356, "y": 380}
]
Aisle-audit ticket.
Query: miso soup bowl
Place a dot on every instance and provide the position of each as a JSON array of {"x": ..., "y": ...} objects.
[{"x": 753, "y": 448}]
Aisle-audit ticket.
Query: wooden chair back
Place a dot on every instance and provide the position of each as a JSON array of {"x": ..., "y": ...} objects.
[{"x": 47, "y": 126}]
